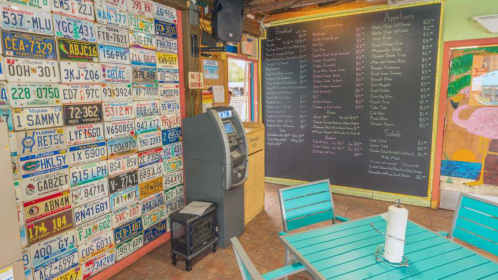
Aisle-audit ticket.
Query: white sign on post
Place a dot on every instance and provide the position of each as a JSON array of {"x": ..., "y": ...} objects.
[{"x": 195, "y": 80}]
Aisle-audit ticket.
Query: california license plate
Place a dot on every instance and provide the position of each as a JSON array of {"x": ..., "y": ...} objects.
[
  {"x": 80, "y": 93},
  {"x": 146, "y": 108},
  {"x": 73, "y": 28},
  {"x": 154, "y": 232},
  {"x": 150, "y": 157},
  {"x": 72, "y": 274},
  {"x": 88, "y": 173},
  {"x": 128, "y": 230},
  {"x": 45, "y": 184},
  {"x": 144, "y": 75},
  {"x": 18, "y": 18},
  {"x": 172, "y": 150},
  {"x": 72, "y": 50},
  {"x": 154, "y": 217},
  {"x": 173, "y": 179},
  {"x": 93, "y": 229},
  {"x": 129, "y": 246},
  {"x": 173, "y": 164},
  {"x": 41, "y": 163},
  {"x": 90, "y": 191},
  {"x": 57, "y": 266},
  {"x": 116, "y": 92},
  {"x": 119, "y": 111},
  {"x": 111, "y": 15},
  {"x": 112, "y": 54},
  {"x": 82, "y": 113},
  {"x": 167, "y": 91},
  {"x": 170, "y": 121},
  {"x": 122, "y": 164},
  {"x": 149, "y": 140},
  {"x": 116, "y": 73},
  {"x": 44, "y": 5},
  {"x": 164, "y": 28},
  {"x": 172, "y": 135},
  {"x": 95, "y": 246},
  {"x": 170, "y": 106},
  {"x": 43, "y": 207},
  {"x": 123, "y": 181},
  {"x": 86, "y": 133},
  {"x": 151, "y": 187},
  {"x": 121, "y": 4},
  {"x": 111, "y": 35},
  {"x": 168, "y": 76},
  {"x": 50, "y": 248},
  {"x": 118, "y": 129},
  {"x": 77, "y": 8},
  {"x": 90, "y": 211},
  {"x": 27, "y": 45},
  {"x": 32, "y": 70},
  {"x": 152, "y": 202},
  {"x": 37, "y": 118},
  {"x": 165, "y": 13},
  {"x": 145, "y": 92},
  {"x": 142, "y": 40},
  {"x": 167, "y": 60},
  {"x": 150, "y": 172},
  {"x": 80, "y": 72},
  {"x": 173, "y": 192},
  {"x": 141, "y": 23},
  {"x": 33, "y": 95},
  {"x": 124, "y": 215},
  {"x": 143, "y": 57},
  {"x": 50, "y": 226},
  {"x": 124, "y": 198},
  {"x": 165, "y": 44},
  {"x": 141, "y": 7},
  {"x": 147, "y": 124},
  {"x": 98, "y": 263},
  {"x": 87, "y": 153},
  {"x": 120, "y": 146}
]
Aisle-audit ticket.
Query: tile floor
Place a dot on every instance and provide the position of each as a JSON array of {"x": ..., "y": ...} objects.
[{"x": 262, "y": 244}]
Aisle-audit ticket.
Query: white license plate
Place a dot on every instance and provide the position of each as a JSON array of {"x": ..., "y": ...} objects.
[
  {"x": 45, "y": 184},
  {"x": 124, "y": 198},
  {"x": 90, "y": 191},
  {"x": 142, "y": 40},
  {"x": 124, "y": 215},
  {"x": 168, "y": 76},
  {"x": 129, "y": 246},
  {"x": 87, "y": 173},
  {"x": 86, "y": 133},
  {"x": 76, "y": 8},
  {"x": 173, "y": 179},
  {"x": 87, "y": 153},
  {"x": 173, "y": 193},
  {"x": 150, "y": 157},
  {"x": 149, "y": 140},
  {"x": 116, "y": 147},
  {"x": 32, "y": 70},
  {"x": 141, "y": 57},
  {"x": 73, "y": 28},
  {"x": 49, "y": 248},
  {"x": 140, "y": 23},
  {"x": 97, "y": 264},
  {"x": 165, "y": 13},
  {"x": 165, "y": 44},
  {"x": 122, "y": 164},
  {"x": 174, "y": 205},
  {"x": 36, "y": 118},
  {"x": 93, "y": 229},
  {"x": 171, "y": 121},
  {"x": 90, "y": 211},
  {"x": 4, "y": 100},
  {"x": 118, "y": 129},
  {"x": 141, "y": 7},
  {"x": 18, "y": 18},
  {"x": 145, "y": 92},
  {"x": 144, "y": 75},
  {"x": 167, "y": 60},
  {"x": 147, "y": 124},
  {"x": 154, "y": 217},
  {"x": 170, "y": 106},
  {"x": 173, "y": 164},
  {"x": 44, "y": 5},
  {"x": 121, "y": 4},
  {"x": 57, "y": 266},
  {"x": 116, "y": 92},
  {"x": 172, "y": 150},
  {"x": 167, "y": 91},
  {"x": 118, "y": 111},
  {"x": 111, "y": 15},
  {"x": 33, "y": 95},
  {"x": 112, "y": 54},
  {"x": 96, "y": 246},
  {"x": 114, "y": 36},
  {"x": 35, "y": 141},
  {"x": 80, "y": 94},
  {"x": 146, "y": 108},
  {"x": 152, "y": 202},
  {"x": 80, "y": 72},
  {"x": 150, "y": 172},
  {"x": 116, "y": 73}
]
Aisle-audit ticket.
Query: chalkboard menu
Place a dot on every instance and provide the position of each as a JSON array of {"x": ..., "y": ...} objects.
[{"x": 351, "y": 99}]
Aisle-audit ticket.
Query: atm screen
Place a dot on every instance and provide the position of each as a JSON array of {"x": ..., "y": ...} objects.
[
  {"x": 228, "y": 127},
  {"x": 225, "y": 114}
]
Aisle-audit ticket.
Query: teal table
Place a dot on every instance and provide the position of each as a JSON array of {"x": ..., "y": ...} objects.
[{"x": 347, "y": 251}]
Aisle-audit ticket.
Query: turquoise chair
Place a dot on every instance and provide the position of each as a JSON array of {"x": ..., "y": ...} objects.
[
  {"x": 249, "y": 271},
  {"x": 476, "y": 222}
]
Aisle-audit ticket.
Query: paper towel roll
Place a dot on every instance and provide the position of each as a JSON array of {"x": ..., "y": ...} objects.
[{"x": 397, "y": 218}]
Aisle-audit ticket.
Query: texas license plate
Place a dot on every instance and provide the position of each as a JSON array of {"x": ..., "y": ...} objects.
[
  {"x": 142, "y": 40},
  {"x": 73, "y": 50},
  {"x": 151, "y": 187},
  {"x": 152, "y": 202},
  {"x": 154, "y": 232},
  {"x": 150, "y": 172},
  {"x": 165, "y": 44},
  {"x": 87, "y": 153},
  {"x": 172, "y": 135},
  {"x": 173, "y": 179},
  {"x": 114, "y": 36},
  {"x": 170, "y": 121},
  {"x": 141, "y": 7},
  {"x": 43, "y": 251},
  {"x": 57, "y": 266},
  {"x": 27, "y": 45},
  {"x": 93, "y": 229},
  {"x": 122, "y": 164},
  {"x": 145, "y": 92},
  {"x": 146, "y": 108},
  {"x": 121, "y": 4},
  {"x": 90, "y": 191},
  {"x": 116, "y": 73},
  {"x": 123, "y": 181},
  {"x": 165, "y": 13},
  {"x": 124, "y": 215},
  {"x": 112, "y": 54},
  {"x": 72, "y": 274},
  {"x": 77, "y": 8},
  {"x": 33, "y": 95},
  {"x": 140, "y": 23},
  {"x": 90, "y": 211},
  {"x": 129, "y": 246},
  {"x": 169, "y": 91},
  {"x": 17, "y": 18},
  {"x": 144, "y": 75},
  {"x": 173, "y": 192},
  {"x": 80, "y": 93},
  {"x": 128, "y": 230},
  {"x": 164, "y": 28},
  {"x": 87, "y": 173},
  {"x": 43, "y": 207},
  {"x": 149, "y": 140},
  {"x": 150, "y": 157},
  {"x": 173, "y": 164},
  {"x": 32, "y": 70},
  {"x": 118, "y": 129},
  {"x": 124, "y": 198},
  {"x": 111, "y": 15},
  {"x": 116, "y": 147},
  {"x": 147, "y": 124},
  {"x": 36, "y": 141},
  {"x": 168, "y": 76},
  {"x": 167, "y": 60},
  {"x": 73, "y": 28},
  {"x": 118, "y": 111},
  {"x": 82, "y": 113},
  {"x": 6, "y": 117},
  {"x": 172, "y": 150},
  {"x": 86, "y": 133},
  {"x": 44, "y": 5},
  {"x": 50, "y": 226},
  {"x": 98, "y": 263},
  {"x": 170, "y": 106},
  {"x": 154, "y": 217},
  {"x": 46, "y": 184},
  {"x": 80, "y": 72},
  {"x": 95, "y": 246},
  {"x": 116, "y": 92},
  {"x": 41, "y": 163},
  {"x": 143, "y": 57}
]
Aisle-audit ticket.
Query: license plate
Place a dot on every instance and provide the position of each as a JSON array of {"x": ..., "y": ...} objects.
[
  {"x": 174, "y": 205},
  {"x": 81, "y": 134},
  {"x": 17, "y": 18},
  {"x": 37, "y": 118},
  {"x": 114, "y": 36},
  {"x": 50, "y": 248},
  {"x": 27, "y": 45},
  {"x": 123, "y": 181},
  {"x": 87, "y": 153},
  {"x": 152, "y": 202},
  {"x": 80, "y": 93},
  {"x": 112, "y": 54},
  {"x": 46, "y": 184},
  {"x": 116, "y": 73},
  {"x": 154, "y": 217},
  {"x": 50, "y": 226},
  {"x": 149, "y": 140},
  {"x": 143, "y": 57},
  {"x": 124, "y": 215},
  {"x": 170, "y": 121},
  {"x": 82, "y": 113},
  {"x": 173, "y": 193},
  {"x": 145, "y": 92},
  {"x": 17, "y": 189},
  {"x": 150, "y": 187},
  {"x": 42, "y": 163},
  {"x": 4, "y": 100},
  {"x": 165, "y": 13},
  {"x": 73, "y": 50},
  {"x": 89, "y": 191},
  {"x": 147, "y": 124},
  {"x": 141, "y": 7},
  {"x": 116, "y": 92},
  {"x": 77, "y": 8},
  {"x": 154, "y": 232},
  {"x": 6, "y": 117},
  {"x": 128, "y": 230},
  {"x": 172, "y": 150},
  {"x": 43, "y": 207},
  {"x": 165, "y": 44},
  {"x": 146, "y": 108},
  {"x": 150, "y": 172},
  {"x": 150, "y": 157},
  {"x": 118, "y": 129},
  {"x": 44, "y": 5},
  {"x": 93, "y": 229},
  {"x": 142, "y": 40},
  {"x": 144, "y": 75},
  {"x": 26, "y": 259},
  {"x": 163, "y": 28},
  {"x": 73, "y": 28},
  {"x": 173, "y": 179},
  {"x": 170, "y": 106},
  {"x": 33, "y": 95},
  {"x": 15, "y": 167},
  {"x": 91, "y": 210},
  {"x": 173, "y": 164},
  {"x": 172, "y": 135},
  {"x": 140, "y": 23},
  {"x": 168, "y": 76},
  {"x": 95, "y": 246},
  {"x": 116, "y": 147},
  {"x": 121, "y": 4},
  {"x": 88, "y": 173},
  {"x": 57, "y": 266},
  {"x": 124, "y": 198},
  {"x": 97, "y": 264},
  {"x": 111, "y": 15},
  {"x": 73, "y": 274},
  {"x": 118, "y": 111},
  {"x": 167, "y": 60},
  {"x": 129, "y": 246},
  {"x": 80, "y": 72},
  {"x": 122, "y": 164},
  {"x": 167, "y": 91},
  {"x": 32, "y": 70},
  {"x": 12, "y": 144}
]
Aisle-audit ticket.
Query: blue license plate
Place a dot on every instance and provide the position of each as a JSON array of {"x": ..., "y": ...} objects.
[
  {"x": 165, "y": 76},
  {"x": 171, "y": 135},
  {"x": 26, "y": 45},
  {"x": 165, "y": 29},
  {"x": 152, "y": 202},
  {"x": 120, "y": 146},
  {"x": 128, "y": 230},
  {"x": 154, "y": 232},
  {"x": 6, "y": 117}
]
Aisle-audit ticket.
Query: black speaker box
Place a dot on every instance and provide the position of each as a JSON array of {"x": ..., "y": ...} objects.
[{"x": 228, "y": 20}]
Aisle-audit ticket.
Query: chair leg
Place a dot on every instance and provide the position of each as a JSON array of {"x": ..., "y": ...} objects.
[{"x": 287, "y": 259}]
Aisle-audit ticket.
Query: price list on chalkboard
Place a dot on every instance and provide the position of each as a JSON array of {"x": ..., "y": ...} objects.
[{"x": 351, "y": 99}]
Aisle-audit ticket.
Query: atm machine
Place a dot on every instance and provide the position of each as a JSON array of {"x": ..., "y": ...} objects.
[{"x": 215, "y": 165}]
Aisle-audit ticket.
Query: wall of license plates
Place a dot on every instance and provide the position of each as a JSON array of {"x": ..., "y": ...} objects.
[{"x": 90, "y": 93}]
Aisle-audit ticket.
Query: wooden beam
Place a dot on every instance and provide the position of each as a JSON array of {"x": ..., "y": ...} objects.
[{"x": 267, "y": 7}]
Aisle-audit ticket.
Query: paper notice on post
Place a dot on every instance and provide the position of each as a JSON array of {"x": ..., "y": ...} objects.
[
  {"x": 219, "y": 94},
  {"x": 196, "y": 208}
]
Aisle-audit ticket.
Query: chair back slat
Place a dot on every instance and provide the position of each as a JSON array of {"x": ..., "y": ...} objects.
[
  {"x": 247, "y": 268},
  {"x": 312, "y": 208},
  {"x": 310, "y": 220}
]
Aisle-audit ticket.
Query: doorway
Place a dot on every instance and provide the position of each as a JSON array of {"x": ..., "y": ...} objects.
[{"x": 241, "y": 87}]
